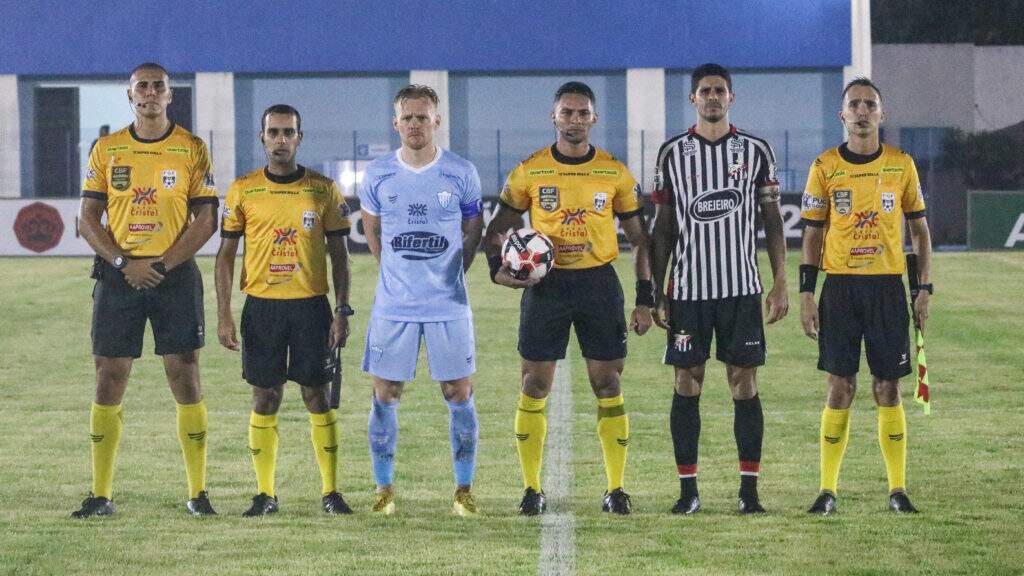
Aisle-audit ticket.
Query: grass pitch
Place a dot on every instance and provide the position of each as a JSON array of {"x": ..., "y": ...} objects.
[{"x": 965, "y": 470}]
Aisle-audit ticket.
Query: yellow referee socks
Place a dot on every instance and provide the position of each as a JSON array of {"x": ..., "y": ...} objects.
[
  {"x": 892, "y": 438},
  {"x": 531, "y": 428},
  {"x": 323, "y": 430},
  {"x": 192, "y": 436},
  {"x": 613, "y": 430},
  {"x": 835, "y": 434},
  {"x": 263, "y": 447},
  {"x": 105, "y": 425}
]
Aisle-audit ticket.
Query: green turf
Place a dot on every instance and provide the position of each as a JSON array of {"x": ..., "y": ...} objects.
[{"x": 965, "y": 468}]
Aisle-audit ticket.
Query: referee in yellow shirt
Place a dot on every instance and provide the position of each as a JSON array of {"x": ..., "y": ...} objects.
[{"x": 292, "y": 218}]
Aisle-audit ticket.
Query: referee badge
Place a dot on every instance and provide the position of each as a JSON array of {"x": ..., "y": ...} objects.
[
  {"x": 308, "y": 219},
  {"x": 170, "y": 178},
  {"x": 600, "y": 199},
  {"x": 888, "y": 201},
  {"x": 548, "y": 197},
  {"x": 120, "y": 177},
  {"x": 844, "y": 201}
]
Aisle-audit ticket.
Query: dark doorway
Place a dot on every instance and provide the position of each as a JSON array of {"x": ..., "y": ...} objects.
[
  {"x": 55, "y": 125},
  {"x": 180, "y": 110}
]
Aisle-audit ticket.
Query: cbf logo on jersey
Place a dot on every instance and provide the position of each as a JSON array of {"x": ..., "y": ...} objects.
[
  {"x": 715, "y": 205},
  {"x": 120, "y": 177},
  {"x": 844, "y": 201},
  {"x": 548, "y": 198}
]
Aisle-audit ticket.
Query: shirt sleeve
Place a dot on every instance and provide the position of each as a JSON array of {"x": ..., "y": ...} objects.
[
  {"x": 663, "y": 192},
  {"x": 94, "y": 185},
  {"x": 472, "y": 198},
  {"x": 368, "y": 201},
  {"x": 767, "y": 180},
  {"x": 516, "y": 192},
  {"x": 814, "y": 205},
  {"x": 626, "y": 202},
  {"x": 913, "y": 198},
  {"x": 201, "y": 188},
  {"x": 232, "y": 221},
  {"x": 336, "y": 216}
]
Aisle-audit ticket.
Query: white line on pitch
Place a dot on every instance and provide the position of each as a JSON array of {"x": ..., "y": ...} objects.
[{"x": 558, "y": 525}]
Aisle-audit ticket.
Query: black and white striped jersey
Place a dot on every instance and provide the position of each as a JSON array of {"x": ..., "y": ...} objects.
[{"x": 715, "y": 188}]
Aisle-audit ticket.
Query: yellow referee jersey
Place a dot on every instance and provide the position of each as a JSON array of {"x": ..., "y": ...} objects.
[
  {"x": 861, "y": 201},
  {"x": 574, "y": 201},
  {"x": 285, "y": 221},
  {"x": 148, "y": 186}
]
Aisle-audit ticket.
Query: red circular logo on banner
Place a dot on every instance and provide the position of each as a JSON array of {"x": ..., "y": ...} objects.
[{"x": 38, "y": 227}]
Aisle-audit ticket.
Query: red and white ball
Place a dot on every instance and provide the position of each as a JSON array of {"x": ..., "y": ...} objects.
[{"x": 529, "y": 254}]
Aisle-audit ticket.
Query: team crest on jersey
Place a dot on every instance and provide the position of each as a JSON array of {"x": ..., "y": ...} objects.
[
  {"x": 888, "y": 201},
  {"x": 308, "y": 219},
  {"x": 738, "y": 170},
  {"x": 443, "y": 198},
  {"x": 682, "y": 341},
  {"x": 170, "y": 179},
  {"x": 736, "y": 146},
  {"x": 600, "y": 199},
  {"x": 548, "y": 196},
  {"x": 689, "y": 147},
  {"x": 120, "y": 177},
  {"x": 844, "y": 201}
]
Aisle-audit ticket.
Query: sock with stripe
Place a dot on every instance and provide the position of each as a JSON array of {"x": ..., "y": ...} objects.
[
  {"x": 531, "y": 428},
  {"x": 613, "y": 430},
  {"x": 748, "y": 427},
  {"x": 263, "y": 447},
  {"x": 382, "y": 430},
  {"x": 105, "y": 425},
  {"x": 464, "y": 433},
  {"x": 192, "y": 425},
  {"x": 323, "y": 431},
  {"x": 835, "y": 434},
  {"x": 892, "y": 438},
  {"x": 685, "y": 424}
]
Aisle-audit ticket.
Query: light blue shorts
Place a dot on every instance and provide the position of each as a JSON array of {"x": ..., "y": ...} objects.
[{"x": 392, "y": 348}]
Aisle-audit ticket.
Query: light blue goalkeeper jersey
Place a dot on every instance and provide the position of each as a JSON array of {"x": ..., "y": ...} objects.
[{"x": 421, "y": 212}]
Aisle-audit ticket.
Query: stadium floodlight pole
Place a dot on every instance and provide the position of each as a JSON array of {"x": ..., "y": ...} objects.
[
  {"x": 921, "y": 392},
  {"x": 335, "y": 399}
]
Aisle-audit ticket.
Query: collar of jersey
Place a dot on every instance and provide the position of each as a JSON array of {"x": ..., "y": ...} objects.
[
  {"x": 693, "y": 132},
  {"x": 131, "y": 130},
  {"x": 854, "y": 158},
  {"x": 421, "y": 169},
  {"x": 293, "y": 177},
  {"x": 563, "y": 159}
]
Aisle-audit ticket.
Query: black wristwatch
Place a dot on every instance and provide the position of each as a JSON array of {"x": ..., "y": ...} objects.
[
  {"x": 926, "y": 287},
  {"x": 344, "y": 310},
  {"x": 119, "y": 262}
]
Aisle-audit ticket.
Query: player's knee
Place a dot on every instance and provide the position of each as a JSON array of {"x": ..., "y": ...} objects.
[
  {"x": 535, "y": 385},
  {"x": 315, "y": 398},
  {"x": 267, "y": 401},
  {"x": 387, "y": 390},
  {"x": 689, "y": 381},
  {"x": 457, "y": 390},
  {"x": 742, "y": 382},
  {"x": 841, "y": 390},
  {"x": 887, "y": 392},
  {"x": 605, "y": 385}
]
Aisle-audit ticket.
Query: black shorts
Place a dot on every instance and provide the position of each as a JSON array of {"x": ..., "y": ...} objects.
[
  {"x": 286, "y": 340},
  {"x": 870, "y": 307},
  {"x": 590, "y": 299},
  {"x": 174, "y": 308},
  {"x": 735, "y": 321}
]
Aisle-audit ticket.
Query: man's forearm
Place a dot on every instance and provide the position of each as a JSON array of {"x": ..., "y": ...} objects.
[
  {"x": 340, "y": 273},
  {"x": 775, "y": 240},
  {"x": 198, "y": 232},
  {"x": 472, "y": 232}
]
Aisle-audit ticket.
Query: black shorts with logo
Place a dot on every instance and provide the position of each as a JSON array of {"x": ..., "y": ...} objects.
[
  {"x": 736, "y": 323},
  {"x": 174, "y": 308},
  {"x": 286, "y": 340},
  {"x": 590, "y": 299},
  {"x": 872, "y": 308}
]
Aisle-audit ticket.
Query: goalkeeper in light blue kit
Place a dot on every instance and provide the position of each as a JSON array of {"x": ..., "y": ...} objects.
[{"x": 422, "y": 217}]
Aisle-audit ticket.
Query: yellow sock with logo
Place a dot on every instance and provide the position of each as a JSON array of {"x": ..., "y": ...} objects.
[
  {"x": 263, "y": 447},
  {"x": 192, "y": 436},
  {"x": 323, "y": 430},
  {"x": 531, "y": 427},
  {"x": 105, "y": 425},
  {"x": 835, "y": 434},
  {"x": 613, "y": 430},
  {"x": 892, "y": 438}
]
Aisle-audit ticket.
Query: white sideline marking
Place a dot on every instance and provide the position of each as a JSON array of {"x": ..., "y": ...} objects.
[{"x": 558, "y": 524}]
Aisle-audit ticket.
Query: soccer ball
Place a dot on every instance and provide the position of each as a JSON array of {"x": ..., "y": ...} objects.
[{"x": 529, "y": 254}]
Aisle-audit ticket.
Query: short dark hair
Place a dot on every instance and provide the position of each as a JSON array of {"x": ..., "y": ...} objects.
[
  {"x": 709, "y": 69},
  {"x": 149, "y": 66},
  {"x": 281, "y": 109},
  {"x": 415, "y": 92},
  {"x": 575, "y": 87},
  {"x": 861, "y": 81}
]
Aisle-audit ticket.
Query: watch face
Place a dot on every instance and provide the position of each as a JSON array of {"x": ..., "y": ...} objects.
[{"x": 119, "y": 262}]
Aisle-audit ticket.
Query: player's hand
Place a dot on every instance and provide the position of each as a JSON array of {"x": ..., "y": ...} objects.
[
  {"x": 776, "y": 305},
  {"x": 921, "y": 307},
  {"x": 226, "y": 333},
  {"x": 505, "y": 278},
  {"x": 809, "y": 315},
  {"x": 140, "y": 274},
  {"x": 641, "y": 320},
  {"x": 339, "y": 332},
  {"x": 661, "y": 312}
]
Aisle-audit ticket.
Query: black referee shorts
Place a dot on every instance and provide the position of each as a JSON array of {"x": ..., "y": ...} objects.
[
  {"x": 174, "y": 308},
  {"x": 286, "y": 340},
  {"x": 736, "y": 323},
  {"x": 872, "y": 308},
  {"x": 590, "y": 299}
]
